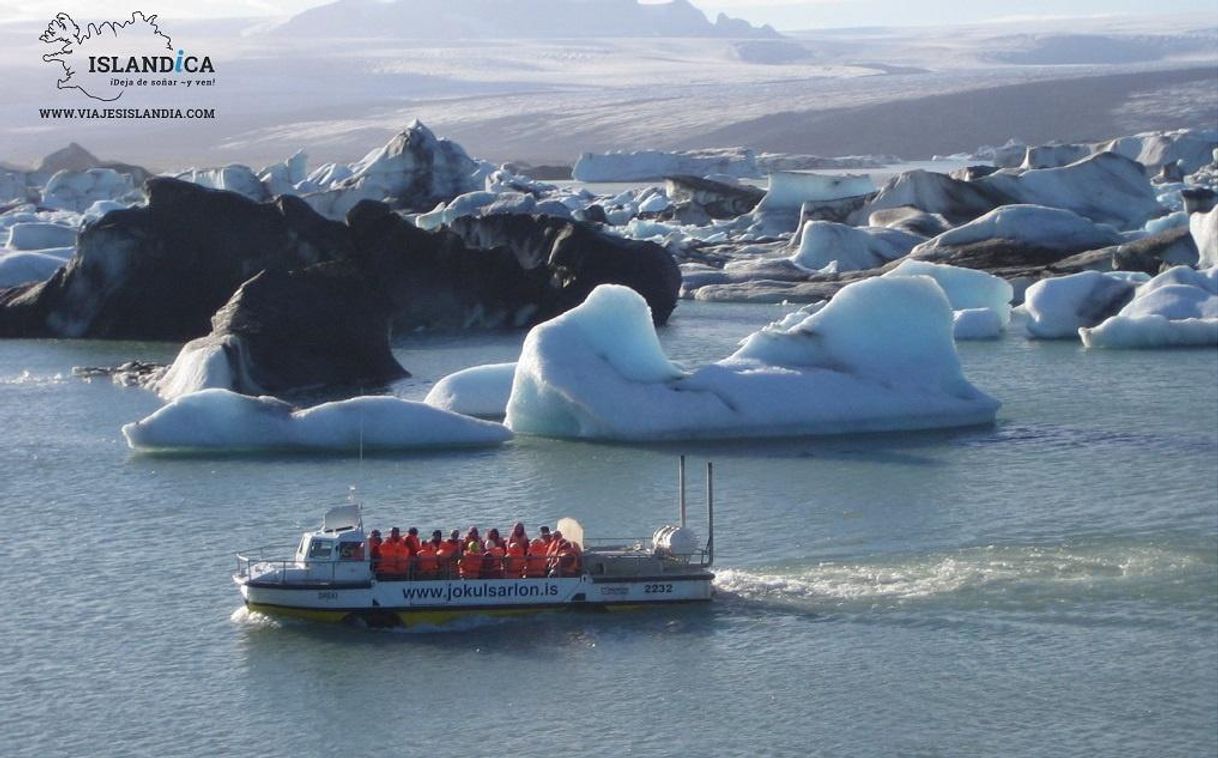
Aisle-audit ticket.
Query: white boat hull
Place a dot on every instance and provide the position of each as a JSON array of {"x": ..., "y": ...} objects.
[{"x": 408, "y": 602}]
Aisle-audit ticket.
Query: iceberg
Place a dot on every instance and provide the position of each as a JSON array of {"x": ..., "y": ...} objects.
[
  {"x": 1029, "y": 226},
  {"x": 1057, "y": 307},
  {"x": 1177, "y": 308},
  {"x": 24, "y": 266},
  {"x": 39, "y": 235},
  {"x": 878, "y": 357},
  {"x": 981, "y": 302},
  {"x": 851, "y": 248},
  {"x": 220, "y": 420},
  {"x": 481, "y": 391},
  {"x": 77, "y": 190},
  {"x": 653, "y": 165}
]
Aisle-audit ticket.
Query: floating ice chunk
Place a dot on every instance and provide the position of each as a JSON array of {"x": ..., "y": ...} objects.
[
  {"x": 1030, "y": 225},
  {"x": 1204, "y": 229},
  {"x": 878, "y": 357},
  {"x": 1057, "y": 307},
  {"x": 37, "y": 235},
  {"x": 217, "y": 419},
  {"x": 789, "y": 190},
  {"x": 481, "y": 391},
  {"x": 1176, "y": 308},
  {"x": 25, "y": 266},
  {"x": 202, "y": 365},
  {"x": 650, "y": 165},
  {"x": 1166, "y": 223},
  {"x": 233, "y": 177},
  {"x": 1106, "y": 188},
  {"x": 977, "y": 324},
  {"x": 77, "y": 190},
  {"x": 966, "y": 288},
  {"x": 852, "y": 248},
  {"x": 657, "y": 203}
]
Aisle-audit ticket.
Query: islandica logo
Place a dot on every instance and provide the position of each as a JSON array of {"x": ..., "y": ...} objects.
[{"x": 112, "y": 56}]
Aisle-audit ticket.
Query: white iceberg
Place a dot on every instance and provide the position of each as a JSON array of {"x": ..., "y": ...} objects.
[
  {"x": 25, "y": 266},
  {"x": 650, "y": 165},
  {"x": 39, "y": 235},
  {"x": 789, "y": 190},
  {"x": 1204, "y": 229},
  {"x": 1029, "y": 225},
  {"x": 981, "y": 301},
  {"x": 219, "y": 420},
  {"x": 878, "y": 357},
  {"x": 481, "y": 391},
  {"x": 1177, "y": 308},
  {"x": 1057, "y": 307},
  {"x": 822, "y": 243},
  {"x": 233, "y": 178},
  {"x": 77, "y": 190}
]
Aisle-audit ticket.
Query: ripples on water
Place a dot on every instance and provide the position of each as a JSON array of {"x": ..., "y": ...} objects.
[{"x": 1047, "y": 585}]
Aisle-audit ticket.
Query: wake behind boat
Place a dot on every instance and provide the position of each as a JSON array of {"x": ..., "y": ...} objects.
[{"x": 333, "y": 575}]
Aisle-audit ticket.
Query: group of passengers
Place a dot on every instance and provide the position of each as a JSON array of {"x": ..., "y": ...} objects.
[{"x": 472, "y": 556}]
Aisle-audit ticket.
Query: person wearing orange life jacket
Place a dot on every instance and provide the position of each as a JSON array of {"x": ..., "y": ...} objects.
[
  {"x": 412, "y": 539},
  {"x": 492, "y": 564},
  {"x": 556, "y": 541},
  {"x": 493, "y": 538},
  {"x": 561, "y": 557},
  {"x": 395, "y": 557},
  {"x": 514, "y": 563},
  {"x": 535, "y": 561},
  {"x": 472, "y": 536},
  {"x": 575, "y": 557},
  {"x": 447, "y": 553},
  {"x": 470, "y": 562},
  {"x": 427, "y": 565}
]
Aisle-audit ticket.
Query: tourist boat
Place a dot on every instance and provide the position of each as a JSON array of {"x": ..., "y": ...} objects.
[{"x": 329, "y": 578}]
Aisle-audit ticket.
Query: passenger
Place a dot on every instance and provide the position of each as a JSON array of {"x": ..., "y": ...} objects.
[
  {"x": 492, "y": 563},
  {"x": 518, "y": 534},
  {"x": 395, "y": 557},
  {"x": 514, "y": 563},
  {"x": 470, "y": 562},
  {"x": 427, "y": 566},
  {"x": 447, "y": 554},
  {"x": 546, "y": 537},
  {"x": 535, "y": 562},
  {"x": 556, "y": 544},
  {"x": 570, "y": 559},
  {"x": 472, "y": 536},
  {"x": 412, "y": 540},
  {"x": 437, "y": 539},
  {"x": 493, "y": 538}
]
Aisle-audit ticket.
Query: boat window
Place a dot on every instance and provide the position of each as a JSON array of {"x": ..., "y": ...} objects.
[{"x": 320, "y": 550}]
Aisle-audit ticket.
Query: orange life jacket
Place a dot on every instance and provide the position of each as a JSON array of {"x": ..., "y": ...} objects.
[
  {"x": 395, "y": 558},
  {"x": 513, "y": 567},
  {"x": 535, "y": 563},
  {"x": 492, "y": 566},
  {"x": 412, "y": 543},
  {"x": 470, "y": 564},
  {"x": 427, "y": 563}
]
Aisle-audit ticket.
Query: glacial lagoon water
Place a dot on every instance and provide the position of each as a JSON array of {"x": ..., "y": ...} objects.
[{"x": 1045, "y": 586}]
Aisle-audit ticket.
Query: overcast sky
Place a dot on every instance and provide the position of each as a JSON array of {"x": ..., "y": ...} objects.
[{"x": 784, "y": 14}]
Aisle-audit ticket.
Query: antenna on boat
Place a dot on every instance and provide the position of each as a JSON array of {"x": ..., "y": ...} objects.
[
  {"x": 710, "y": 513},
  {"x": 681, "y": 491}
]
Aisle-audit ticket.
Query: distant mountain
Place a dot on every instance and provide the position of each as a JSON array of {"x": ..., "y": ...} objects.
[{"x": 444, "y": 20}]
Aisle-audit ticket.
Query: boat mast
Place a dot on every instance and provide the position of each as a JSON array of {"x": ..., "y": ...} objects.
[
  {"x": 710, "y": 513},
  {"x": 681, "y": 491}
]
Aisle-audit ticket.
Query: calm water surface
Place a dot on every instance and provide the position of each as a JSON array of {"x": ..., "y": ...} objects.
[{"x": 1048, "y": 585}]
